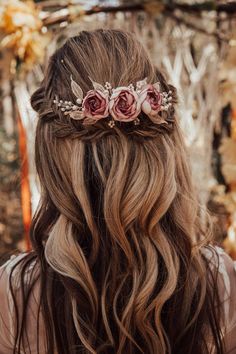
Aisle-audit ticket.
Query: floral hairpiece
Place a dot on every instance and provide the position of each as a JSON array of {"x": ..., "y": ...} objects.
[{"x": 122, "y": 104}]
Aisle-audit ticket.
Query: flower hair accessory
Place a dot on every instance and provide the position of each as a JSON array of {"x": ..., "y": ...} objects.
[{"x": 123, "y": 104}]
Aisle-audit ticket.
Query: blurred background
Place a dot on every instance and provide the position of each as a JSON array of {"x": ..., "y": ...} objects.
[{"x": 193, "y": 43}]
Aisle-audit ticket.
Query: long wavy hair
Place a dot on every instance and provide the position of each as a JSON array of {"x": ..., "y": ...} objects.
[{"x": 117, "y": 237}]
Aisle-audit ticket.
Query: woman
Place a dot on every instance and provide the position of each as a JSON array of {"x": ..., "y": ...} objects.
[{"x": 120, "y": 260}]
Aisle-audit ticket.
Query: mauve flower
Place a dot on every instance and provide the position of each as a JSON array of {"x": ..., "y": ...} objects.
[
  {"x": 124, "y": 104},
  {"x": 95, "y": 105},
  {"x": 151, "y": 100}
]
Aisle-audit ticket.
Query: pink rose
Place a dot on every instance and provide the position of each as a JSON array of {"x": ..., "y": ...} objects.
[
  {"x": 95, "y": 105},
  {"x": 124, "y": 104},
  {"x": 151, "y": 100}
]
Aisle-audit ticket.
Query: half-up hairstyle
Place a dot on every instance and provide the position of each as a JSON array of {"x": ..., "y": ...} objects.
[{"x": 117, "y": 236}]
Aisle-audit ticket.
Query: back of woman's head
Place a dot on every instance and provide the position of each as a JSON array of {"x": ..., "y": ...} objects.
[{"x": 118, "y": 227}]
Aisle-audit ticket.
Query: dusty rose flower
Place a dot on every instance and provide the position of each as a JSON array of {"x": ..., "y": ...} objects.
[
  {"x": 95, "y": 105},
  {"x": 151, "y": 100},
  {"x": 124, "y": 104}
]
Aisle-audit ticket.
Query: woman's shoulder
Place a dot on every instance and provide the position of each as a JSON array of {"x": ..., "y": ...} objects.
[
  {"x": 13, "y": 268},
  {"x": 218, "y": 259},
  {"x": 20, "y": 271},
  {"x": 12, "y": 262},
  {"x": 225, "y": 268}
]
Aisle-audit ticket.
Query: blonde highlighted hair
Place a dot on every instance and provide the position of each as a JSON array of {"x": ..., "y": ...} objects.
[{"x": 117, "y": 233}]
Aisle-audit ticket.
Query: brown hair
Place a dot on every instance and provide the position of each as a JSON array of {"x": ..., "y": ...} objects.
[{"x": 117, "y": 234}]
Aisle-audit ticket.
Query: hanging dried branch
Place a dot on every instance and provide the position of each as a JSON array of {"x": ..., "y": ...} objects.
[
  {"x": 67, "y": 12},
  {"x": 180, "y": 20},
  {"x": 229, "y": 7}
]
